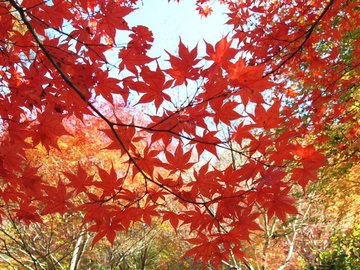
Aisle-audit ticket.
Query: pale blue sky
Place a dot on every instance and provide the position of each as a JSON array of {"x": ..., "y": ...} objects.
[{"x": 169, "y": 21}]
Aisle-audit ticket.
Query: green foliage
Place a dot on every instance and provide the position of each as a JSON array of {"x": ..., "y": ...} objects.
[{"x": 343, "y": 253}]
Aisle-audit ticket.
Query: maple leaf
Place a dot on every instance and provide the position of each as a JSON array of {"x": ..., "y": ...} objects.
[
  {"x": 112, "y": 18},
  {"x": 84, "y": 33},
  {"x": 55, "y": 14},
  {"x": 142, "y": 38},
  {"x": 206, "y": 184},
  {"x": 311, "y": 160},
  {"x": 229, "y": 176},
  {"x": 183, "y": 67},
  {"x": 243, "y": 132},
  {"x": 131, "y": 58},
  {"x": 108, "y": 86},
  {"x": 231, "y": 207},
  {"x": 280, "y": 204},
  {"x": 125, "y": 134},
  {"x": 11, "y": 194},
  {"x": 167, "y": 121},
  {"x": 227, "y": 113},
  {"x": 269, "y": 118},
  {"x": 191, "y": 118},
  {"x": 303, "y": 175},
  {"x": 48, "y": 129},
  {"x": 282, "y": 152},
  {"x": 57, "y": 199},
  {"x": 14, "y": 156},
  {"x": 108, "y": 227},
  {"x": 222, "y": 53},
  {"x": 204, "y": 10},
  {"x": 62, "y": 58},
  {"x": 246, "y": 221},
  {"x": 109, "y": 183},
  {"x": 199, "y": 220},
  {"x": 250, "y": 79},
  {"x": 149, "y": 212},
  {"x": 215, "y": 89},
  {"x": 210, "y": 143},
  {"x": 310, "y": 157},
  {"x": 207, "y": 250},
  {"x": 131, "y": 215},
  {"x": 28, "y": 213},
  {"x": 271, "y": 177},
  {"x": 179, "y": 161},
  {"x": 149, "y": 160},
  {"x": 32, "y": 183},
  {"x": 248, "y": 171},
  {"x": 96, "y": 210},
  {"x": 152, "y": 88},
  {"x": 79, "y": 181},
  {"x": 172, "y": 217}
]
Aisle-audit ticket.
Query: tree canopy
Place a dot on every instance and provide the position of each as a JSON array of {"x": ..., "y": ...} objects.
[{"x": 205, "y": 142}]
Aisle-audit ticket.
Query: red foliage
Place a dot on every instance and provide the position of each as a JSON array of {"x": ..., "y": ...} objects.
[{"x": 241, "y": 111}]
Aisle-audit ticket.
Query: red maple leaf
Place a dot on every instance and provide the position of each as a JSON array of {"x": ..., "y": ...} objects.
[
  {"x": 28, "y": 213},
  {"x": 79, "y": 181},
  {"x": 112, "y": 18},
  {"x": 227, "y": 113},
  {"x": 179, "y": 161},
  {"x": 57, "y": 199},
  {"x": 110, "y": 183},
  {"x": 269, "y": 118},
  {"x": 63, "y": 59},
  {"x": 172, "y": 217},
  {"x": 222, "y": 53},
  {"x": 183, "y": 67},
  {"x": 48, "y": 129},
  {"x": 108, "y": 227},
  {"x": 250, "y": 80},
  {"x": 131, "y": 58},
  {"x": 151, "y": 90},
  {"x": 31, "y": 182},
  {"x": 207, "y": 250},
  {"x": 280, "y": 203}
]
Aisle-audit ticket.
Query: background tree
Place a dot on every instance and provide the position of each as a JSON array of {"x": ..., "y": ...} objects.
[{"x": 58, "y": 242}]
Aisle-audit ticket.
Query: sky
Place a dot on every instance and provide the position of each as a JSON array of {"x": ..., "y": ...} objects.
[{"x": 169, "y": 21}]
